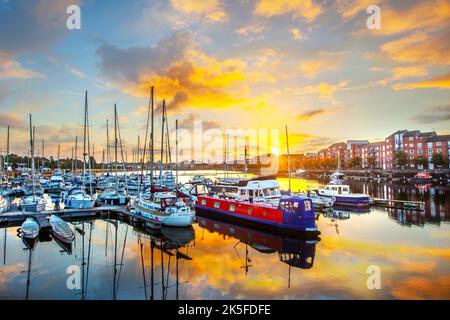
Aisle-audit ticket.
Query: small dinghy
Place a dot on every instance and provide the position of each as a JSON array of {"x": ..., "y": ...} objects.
[
  {"x": 61, "y": 230},
  {"x": 29, "y": 229}
]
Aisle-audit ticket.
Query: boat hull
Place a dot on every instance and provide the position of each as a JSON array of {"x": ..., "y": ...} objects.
[
  {"x": 262, "y": 225},
  {"x": 78, "y": 204},
  {"x": 33, "y": 207},
  {"x": 362, "y": 201},
  {"x": 171, "y": 220}
]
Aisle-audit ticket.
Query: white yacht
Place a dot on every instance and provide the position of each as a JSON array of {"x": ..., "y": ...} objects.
[
  {"x": 343, "y": 196},
  {"x": 32, "y": 203},
  {"x": 77, "y": 198},
  {"x": 165, "y": 208},
  {"x": 260, "y": 191}
]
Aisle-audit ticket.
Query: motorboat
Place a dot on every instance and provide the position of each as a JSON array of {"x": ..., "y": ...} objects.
[
  {"x": 32, "y": 203},
  {"x": 56, "y": 182},
  {"x": 165, "y": 208},
  {"x": 77, "y": 198},
  {"x": 343, "y": 196},
  {"x": 61, "y": 229},
  {"x": 200, "y": 179},
  {"x": 319, "y": 202}
]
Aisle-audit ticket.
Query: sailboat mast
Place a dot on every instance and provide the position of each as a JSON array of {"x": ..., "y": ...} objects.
[
  {"x": 162, "y": 139},
  {"x": 84, "y": 139},
  {"x": 7, "y": 150},
  {"x": 32, "y": 156},
  {"x": 152, "y": 154},
  {"x": 76, "y": 155},
  {"x": 115, "y": 147},
  {"x": 176, "y": 153},
  {"x": 89, "y": 147},
  {"x": 108, "y": 156},
  {"x": 288, "y": 163}
]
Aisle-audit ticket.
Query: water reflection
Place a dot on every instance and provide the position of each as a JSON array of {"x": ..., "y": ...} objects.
[{"x": 218, "y": 260}]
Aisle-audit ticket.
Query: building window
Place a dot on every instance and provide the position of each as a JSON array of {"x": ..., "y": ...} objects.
[
  {"x": 430, "y": 144},
  {"x": 419, "y": 146},
  {"x": 439, "y": 151},
  {"x": 411, "y": 145},
  {"x": 411, "y": 138},
  {"x": 438, "y": 144},
  {"x": 411, "y": 151},
  {"x": 430, "y": 151}
]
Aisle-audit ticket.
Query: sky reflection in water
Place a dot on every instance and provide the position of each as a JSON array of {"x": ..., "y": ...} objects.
[{"x": 217, "y": 260}]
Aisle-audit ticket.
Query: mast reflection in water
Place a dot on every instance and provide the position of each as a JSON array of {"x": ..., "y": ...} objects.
[{"x": 218, "y": 260}]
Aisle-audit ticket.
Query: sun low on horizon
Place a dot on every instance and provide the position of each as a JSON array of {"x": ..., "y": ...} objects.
[{"x": 316, "y": 67}]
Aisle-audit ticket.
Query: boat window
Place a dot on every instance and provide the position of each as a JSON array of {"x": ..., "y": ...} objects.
[
  {"x": 307, "y": 205},
  {"x": 260, "y": 193},
  {"x": 201, "y": 189},
  {"x": 345, "y": 189},
  {"x": 203, "y": 202},
  {"x": 242, "y": 192},
  {"x": 250, "y": 209},
  {"x": 339, "y": 190},
  {"x": 250, "y": 193},
  {"x": 334, "y": 188},
  {"x": 232, "y": 208},
  {"x": 216, "y": 204}
]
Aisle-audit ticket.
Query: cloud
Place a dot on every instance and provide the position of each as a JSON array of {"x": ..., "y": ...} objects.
[
  {"x": 418, "y": 47},
  {"x": 11, "y": 120},
  {"x": 408, "y": 72},
  {"x": 350, "y": 8},
  {"x": 188, "y": 123},
  {"x": 433, "y": 115},
  {"x": 310, "y": 114},
  {"x": 325, "y": 61},
  {"x": 250, "y": 30},
  {"x": 305, "y": 9},
  {"x": 180, "y": 72},
  {"x": 297, "y": 34},
  {"x": 10, "y": 68},
  {"x": 323, "y": 89},
  {"x": 441, "y": 82},
  {"x": 75, "y": 72},
  {"x": 209, "y": 9},
  {"x": 30, "y": 26}
]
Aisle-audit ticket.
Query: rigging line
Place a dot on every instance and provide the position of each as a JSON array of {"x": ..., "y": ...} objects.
[{"x": 145, "y": 140}]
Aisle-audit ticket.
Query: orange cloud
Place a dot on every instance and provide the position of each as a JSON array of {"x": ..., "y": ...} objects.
[
  {"x": 210, "y": 9},
  {"x": 305, "y": 9},
  {"x": 326, "y": 61},
  {"x": 297, "y": 34},
  {"x": 408, "y": 72},
  {"x": 442, "y": 82},
  {"x": 10, "y": 68},
  {"x": 251, "y": 29}
]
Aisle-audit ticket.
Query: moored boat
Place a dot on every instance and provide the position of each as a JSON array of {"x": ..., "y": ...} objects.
[
  {"x": 61, "y": 229},
  {"x": 29, "y": 229},
  {"x": 32, "y": 203},
  {"x": 343, "y": 196},
  {"x": 165, "y": 208},
  {"x": 292, "y": 215},
  {"x": 3, "y": 204},
  {"x": 77, "y": 198}
]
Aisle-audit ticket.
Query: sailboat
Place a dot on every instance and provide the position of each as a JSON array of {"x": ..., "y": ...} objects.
[
  {"x": 113, "y": 196},
  {"x": 164, "y": 206},
  {"x": 77, "y": 198},
  {"x": 34, "y": 202}
]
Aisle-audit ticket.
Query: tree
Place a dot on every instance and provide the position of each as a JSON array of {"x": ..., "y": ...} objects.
[
  {"x": 371, "y": 161},
  {"x": 421, "y": 161},
  {"x": 438, "y": 159},
  {"x": 355, "y": 162},
  {"x": 400, "y": 158}
]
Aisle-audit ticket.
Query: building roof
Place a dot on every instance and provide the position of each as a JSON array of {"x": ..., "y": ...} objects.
[
  {"x": 440, "y": 138},
  {"x": 411, "y": 133}
]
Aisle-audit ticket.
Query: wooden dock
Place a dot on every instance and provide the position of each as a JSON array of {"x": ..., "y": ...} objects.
[
  {"x": 399, "y": 204},
  {"x": 16, "y": 217}
]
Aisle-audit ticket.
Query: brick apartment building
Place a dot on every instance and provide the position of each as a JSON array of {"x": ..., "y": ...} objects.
[{"x": 381, "y": 153}]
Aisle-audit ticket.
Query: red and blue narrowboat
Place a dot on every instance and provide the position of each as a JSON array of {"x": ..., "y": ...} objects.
[{"x": 293, "y": 215}]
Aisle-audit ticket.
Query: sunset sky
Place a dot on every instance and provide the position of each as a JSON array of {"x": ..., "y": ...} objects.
[{"x": 311, "y": 65}]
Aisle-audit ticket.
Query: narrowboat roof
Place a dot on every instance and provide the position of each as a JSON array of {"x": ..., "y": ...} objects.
[{"x": 294, "y": 198}]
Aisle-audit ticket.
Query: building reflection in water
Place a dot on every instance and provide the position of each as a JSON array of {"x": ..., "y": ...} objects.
[{"x": 436, "y": 208}]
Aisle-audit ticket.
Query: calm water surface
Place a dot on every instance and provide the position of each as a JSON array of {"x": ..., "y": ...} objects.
[{"x": 217, "y": 260}]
